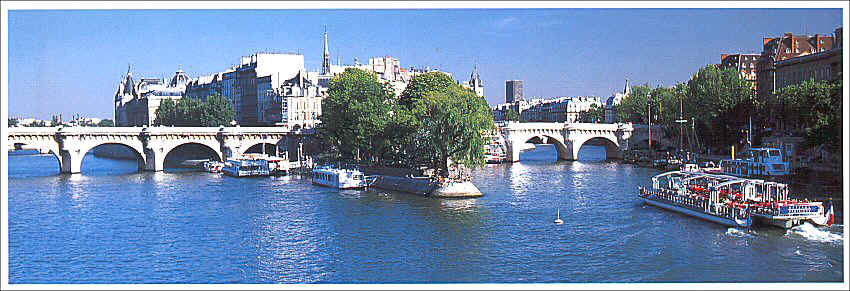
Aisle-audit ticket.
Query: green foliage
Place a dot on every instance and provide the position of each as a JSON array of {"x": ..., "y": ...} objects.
[
  {"x": 511, "y": 115},
  {"x": 356, "y": 114},
  {"x": 454, "y": 120},
  {"x": 721, "y": 102},
  {"x": 106, "y": 123},
  {"x": 212, "y": 112},
  {"x": 422, "y": 84},
  {"x": 596, "y": 114},
  {"x": 813, "y": 107},
  {"x": 633, "y": 108},
  {"x": 13, "y": 122}
]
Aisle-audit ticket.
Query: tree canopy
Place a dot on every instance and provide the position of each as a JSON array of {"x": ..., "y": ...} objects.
[
  {"x": 511, "y": 115},
  {"x": 812, "y": 108},
  {"x": 355, "y": 115},
  {"x": 422, "y": 84},
  {"x": 214, "y": 111}
]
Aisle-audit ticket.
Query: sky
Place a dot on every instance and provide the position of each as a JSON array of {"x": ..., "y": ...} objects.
[{"x": 71, "y": 61}]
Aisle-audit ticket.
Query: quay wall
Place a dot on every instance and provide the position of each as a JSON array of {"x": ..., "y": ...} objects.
[{"x": 399, "y": 179}]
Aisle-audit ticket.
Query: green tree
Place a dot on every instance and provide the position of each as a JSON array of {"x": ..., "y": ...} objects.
[
  {"x": 511, "y": 115},
  {"x": 356, "y": 114},
  {"x": 633, "y": 108},
  {"x": 166, "y": 114},
  {"x": 106, "y": 123},
  {"x": 454, "y": 121},
  {"x": 218, "y": 111},
  {"x": 596, "y": 114},
  {"x": 812, "y": 108},
  {"x": 722, "y": 102},
  {"x": 422, "y": 84},
  {"x": 13, "y": 122}
]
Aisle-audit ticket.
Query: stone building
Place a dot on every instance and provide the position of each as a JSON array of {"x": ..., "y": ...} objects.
[
  {"x": 475, "y": 83},
  {"x": 136, "y": 103},
  {"x": 744, "y": 64},
  {"x": 614, "y": 101},
  {"x": 788, "y": 46}
]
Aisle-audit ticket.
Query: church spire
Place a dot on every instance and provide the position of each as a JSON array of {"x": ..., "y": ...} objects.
[
  {"x": 627, "y": 90},
  {"x": 326, "y": 58}
]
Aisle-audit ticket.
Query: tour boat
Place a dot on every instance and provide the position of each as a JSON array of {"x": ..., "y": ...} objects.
[
  {"x": 732, "y": 201},
  {"x": 341, "y": 178},
  {"x": 494, "y": 153},
  {"x": 760, "y": 162},
  {"x": 213, "y": 166},
  {"x": 246, "y": 167}
]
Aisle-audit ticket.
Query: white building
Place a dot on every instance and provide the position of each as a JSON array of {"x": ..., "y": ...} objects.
[{"x": 614, "y": 101}]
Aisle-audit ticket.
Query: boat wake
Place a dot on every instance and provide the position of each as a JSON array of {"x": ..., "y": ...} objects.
[
  {"x": 811, "y": 232},
  {"x": 732, "y": 231}
]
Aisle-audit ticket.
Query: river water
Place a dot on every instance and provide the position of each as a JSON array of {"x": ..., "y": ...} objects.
[{"x": 112, "y": 224}]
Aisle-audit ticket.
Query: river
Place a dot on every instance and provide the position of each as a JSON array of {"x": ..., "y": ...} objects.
[{"x": 112, "y": 224}]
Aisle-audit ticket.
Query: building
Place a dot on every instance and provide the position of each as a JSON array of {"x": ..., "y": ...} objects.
[
  {"x": 295, "y": 104},
  {"x": 788, "y": 46},
  {"x": 826, "y": 65},
  {"x": 513, "y": 91},
  {"x": 614, "y": 101},
  {"x": 744, "y": 64},
  {"x": 560, "y": 109},
  {"x": 248, "y": 84},
  {"x": 136, "y": 103}
]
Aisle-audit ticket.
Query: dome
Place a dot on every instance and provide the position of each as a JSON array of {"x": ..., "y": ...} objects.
[{"x": 179, "y": 80}]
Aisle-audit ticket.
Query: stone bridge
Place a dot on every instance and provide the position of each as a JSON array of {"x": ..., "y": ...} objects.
[
  {"x": 568, "y": 137},
  {"x": 150, "y": 144}
]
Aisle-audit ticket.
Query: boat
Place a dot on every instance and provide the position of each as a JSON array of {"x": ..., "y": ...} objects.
[
  {"x": 330, "y": 176},
  {"x": 213, "y": 166},
  {"x": 758, "y": 162},
  {"x": 494, "y": 153},
  {"x": 246, "y": 166},
  {"x": 732, "y": 201},
  {"x": 558, "y": 219}
]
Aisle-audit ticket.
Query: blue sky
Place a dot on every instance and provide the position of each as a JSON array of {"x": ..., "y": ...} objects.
[{"x": 71, "y": 61}]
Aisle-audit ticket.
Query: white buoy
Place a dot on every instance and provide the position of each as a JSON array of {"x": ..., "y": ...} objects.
[{"x": 558, "y": 220}]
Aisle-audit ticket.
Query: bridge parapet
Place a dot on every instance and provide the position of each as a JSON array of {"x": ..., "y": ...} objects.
[{"x": 152, "y": 144}]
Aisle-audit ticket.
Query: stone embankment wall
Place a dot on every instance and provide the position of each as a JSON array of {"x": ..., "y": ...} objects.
[{"x": 399, "y": 179}]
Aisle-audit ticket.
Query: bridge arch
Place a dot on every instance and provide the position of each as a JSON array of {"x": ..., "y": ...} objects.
[
  {"x": 544, "y": 138},
  {"x": 270, "y": 147},
  {"x": 135, "y": 145},
  {"x": 612, "y": 147},
  {"x": 43, "y": 147}
]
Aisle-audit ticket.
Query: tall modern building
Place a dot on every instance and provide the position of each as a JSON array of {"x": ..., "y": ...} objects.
[{"x": 513, "y": 91}]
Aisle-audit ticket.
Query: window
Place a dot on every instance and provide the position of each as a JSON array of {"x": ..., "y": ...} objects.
[{"x": 787, "y": 50}]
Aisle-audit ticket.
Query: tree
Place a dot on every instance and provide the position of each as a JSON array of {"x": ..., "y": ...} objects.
[
  {"x": 106, "y": 123},
  {"x": 422, "y": 84},
  {"x": 215, "y": 110},
  {"x": 812, "y": 108},
  {"x": 13, "y": 122},
  {"x": 511, "y": 115},
  {"x": 356, "y": 114},
  {"x": 721, "y": 101},
  {"x": 454, "y": 121},
  {"x": 633, "y": 108},
  {"x": 596, "y": 114},
  {"x": 218, "y": 111}
]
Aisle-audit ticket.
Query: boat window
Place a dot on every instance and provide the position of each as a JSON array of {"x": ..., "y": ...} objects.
[{"x": 774, "y": 153}]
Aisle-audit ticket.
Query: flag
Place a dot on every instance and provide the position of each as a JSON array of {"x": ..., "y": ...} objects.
[{"x": 830, "y": 216}]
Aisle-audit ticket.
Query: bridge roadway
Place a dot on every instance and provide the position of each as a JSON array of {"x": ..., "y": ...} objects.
[
  {"x": 151, "y": 144},
  {"x": 569, "y": 137}
]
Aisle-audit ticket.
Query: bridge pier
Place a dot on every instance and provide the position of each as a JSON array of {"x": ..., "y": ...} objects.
[{"x": 70, "y": 161}]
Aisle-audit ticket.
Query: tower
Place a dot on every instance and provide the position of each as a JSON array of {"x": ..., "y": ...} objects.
[
  {"x": 475, "y": 82},
  {"x": 627, "y": 90},
  {"x": 326, "y": 59}
]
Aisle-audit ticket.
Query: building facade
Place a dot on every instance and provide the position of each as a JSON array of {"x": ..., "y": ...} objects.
[
  {"x": 788, "y": 46},
  {"x": 475, "y": 83},
  {"x": 744, "y": 64},
  {"x": 513, "y": 91},
  {"x": 136, "y": 103},
  {"x": 614, "y": 101}
]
